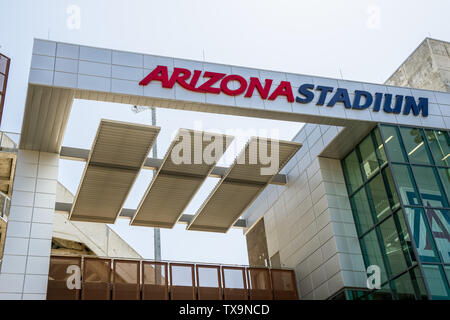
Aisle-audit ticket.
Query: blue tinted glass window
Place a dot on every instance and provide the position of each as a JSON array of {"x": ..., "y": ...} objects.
[
  {"x": 378, "y": 197},
  {"x": 379, "y": 147},
  {"x": 439, "y": 222},
  {"x": 391, "y": 138},
  {"x": 369, "y": 161},
  {"x": 421, "y": 234},
  {"x": 437, "y": 283},
  {"x": 403, "y": 287},
  {"x": 439, "y": 143},
  {"x": 392, "y": 246},
  {"x": 361, "y": 211},
  {"x": 415, "y": 145},
  {"x": 352, "y": 172},
  {"x": 444, "y": 174},
  {"x": 390, "y": 189},
  {"x": 405, "y": 238},
  {"x": 372, "y": 252},
  {"x": 429, "y": 186},
  {"x": 403, "y": 176}
]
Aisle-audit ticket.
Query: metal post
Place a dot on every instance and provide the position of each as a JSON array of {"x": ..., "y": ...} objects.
[{"x": 157, "y": 232}]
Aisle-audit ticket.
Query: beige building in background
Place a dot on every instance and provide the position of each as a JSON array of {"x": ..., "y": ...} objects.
[
  {"x": 428, "y": 67},
  {"x": 77, "y": 237}
]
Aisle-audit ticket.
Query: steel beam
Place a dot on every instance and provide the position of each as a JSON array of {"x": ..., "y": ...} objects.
[
  {"x": 77, "y": 154},
  {"x": 129, "y": 213}
]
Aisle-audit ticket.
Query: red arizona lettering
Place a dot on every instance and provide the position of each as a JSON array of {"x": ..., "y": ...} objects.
[
  {"x": 233, "y": 92},
  {"x": 284, "y": 89},
  {"x": 255, "y": 83},
  {"x": 159, "y": 74},
  {"x": 194, "y": 80},
  {"x": 179, "y": 75},
  {"x": 214, "y": 78}
]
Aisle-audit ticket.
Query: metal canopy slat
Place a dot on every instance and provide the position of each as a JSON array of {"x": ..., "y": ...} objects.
[
  {"x": 242, "y": 184},
  {"x": 175, "y": 184},
  {"x": 118, "y": 153},
  {"x": 45, "y": 118}
]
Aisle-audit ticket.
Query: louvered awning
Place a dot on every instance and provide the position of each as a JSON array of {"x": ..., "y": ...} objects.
[
  {"x": 117, "y": 155},
  {"x": 175, "y": 183},
  {"x": 241, "y": 185}
]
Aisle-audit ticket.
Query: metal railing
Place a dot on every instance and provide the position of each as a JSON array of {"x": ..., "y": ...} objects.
[
  {"x": 9, "y": 141},
  {"x": 94, "y": 278},
  {"x": 5, "y": 203}
]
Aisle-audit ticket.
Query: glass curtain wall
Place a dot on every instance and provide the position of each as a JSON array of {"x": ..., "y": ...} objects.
[{"x": 398, "y": 179}]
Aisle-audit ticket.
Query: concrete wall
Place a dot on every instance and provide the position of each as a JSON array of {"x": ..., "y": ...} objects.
[
  {"x": 24, "y": 270},
  {"x": 428, "y": 67},
  {"x": 257, "y": 245},
  {"x": 32, "y": 223},
  {"x": 309, "y": 221}
]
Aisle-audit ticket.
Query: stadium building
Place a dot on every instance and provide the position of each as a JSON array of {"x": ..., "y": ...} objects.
[{"x": 355, "y": 207}]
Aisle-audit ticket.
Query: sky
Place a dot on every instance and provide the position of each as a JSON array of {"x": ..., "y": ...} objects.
[{"x": 352, "y": 39}]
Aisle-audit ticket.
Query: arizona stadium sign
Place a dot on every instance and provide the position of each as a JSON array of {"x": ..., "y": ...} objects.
[{"x": 235, "y": 85}]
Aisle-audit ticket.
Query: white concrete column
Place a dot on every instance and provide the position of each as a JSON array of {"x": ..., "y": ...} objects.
[
  {"x": 24, "y": 271},
  {"x": 339, "y": 223},
  {"x": 309, "y": 221}
]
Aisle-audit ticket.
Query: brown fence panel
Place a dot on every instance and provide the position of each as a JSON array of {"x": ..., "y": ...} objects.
[
  {"x": 182, "y": 281},
  {"x": 96, "y": 279},
  {"x": 126, "y": 280},
  {"x": 259, "y": 284},
  {"x": 234, "y": 283},
  {"x": 61, "y": 268},
  {"x": 208, "y": 282},
  {"x": 213, "y": 281},
  {"x": 283, "y": 283},
  {"x": 155, "y": 282}
]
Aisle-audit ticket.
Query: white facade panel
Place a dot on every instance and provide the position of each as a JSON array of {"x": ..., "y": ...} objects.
[
  {"x": 64, "y": 50},
  {"x": 64, "y": 79},
  {"x": 94, "y": 69},
  {"x": 13, "y": 264},
  {"x": 127, "y": 73},
  {"x": 44, "y": 47},
  {"x": 44, "y": 77},
  {"x": 95, "y": 54},
  {"x": 16, "y": 246},
  {"x": 97, "y": 68},
  {"x": 42, "y": 62},
  {"x": 127, "y": 59},
  {"x": 316, "y": 212},
  {"x": 39, "y": 247},
  {"x": 24, "y": 270}
]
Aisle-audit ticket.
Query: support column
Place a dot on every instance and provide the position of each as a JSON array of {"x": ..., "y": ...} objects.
[{"x": 24, "y": 271}]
